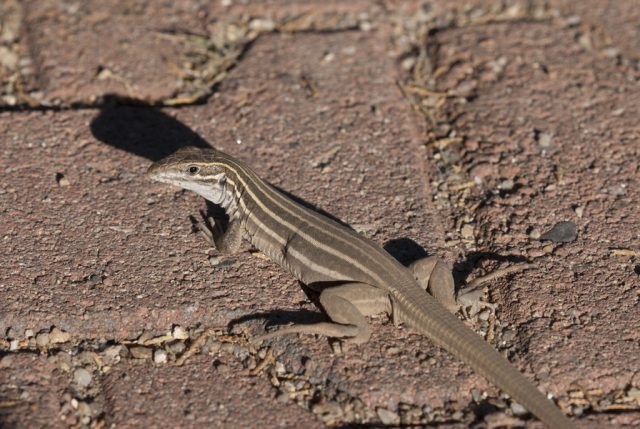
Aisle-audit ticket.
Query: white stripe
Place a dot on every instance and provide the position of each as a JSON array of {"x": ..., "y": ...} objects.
[
  {"x": 332, "y": 274},
  {"x": 305, "y": 236}
]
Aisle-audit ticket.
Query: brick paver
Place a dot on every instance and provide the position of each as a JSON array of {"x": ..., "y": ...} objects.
[{"x": 411, "y": 136}]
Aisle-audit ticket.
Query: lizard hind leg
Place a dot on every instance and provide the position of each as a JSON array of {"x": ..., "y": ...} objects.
[
  {"x": 435, "y": 277},
  {"x": 346, "y": 305}
]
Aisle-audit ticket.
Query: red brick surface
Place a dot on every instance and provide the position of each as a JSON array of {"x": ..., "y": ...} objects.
[
  {"x": 464, "y": 129},
  {"x": 197, "y": 395}
]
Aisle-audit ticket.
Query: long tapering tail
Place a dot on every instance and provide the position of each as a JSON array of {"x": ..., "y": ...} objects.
[{"x": 423, "y": 313}]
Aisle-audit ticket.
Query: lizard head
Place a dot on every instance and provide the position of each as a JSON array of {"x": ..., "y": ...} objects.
[{"x": 200, "y": 170}]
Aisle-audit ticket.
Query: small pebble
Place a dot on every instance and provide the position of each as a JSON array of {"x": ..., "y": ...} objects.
[
  {"x": 212, "y": 346},
  {"x": 408, "y": 63},
  {"x": 42, "y": 340},
  {"x": 262, "y": 24},
  {"x": 240, "y": 351},
  {"x": 310, "y": 366},
  {"x": 6, "y": 361},
  {"x": 221, "y": 367},
  {"x": 96, "y": 278},
  {"x": 506, "y": 185},
  {"x": 62, "y": 180},
  {"x": 634, "y": 393},
  {"x": 458, "y": 415},
  {"x": 280, "y": 369},
  {"x": 84, "y": 409},
  {"x": 64, "y": 361},
  {"x": 543, "y": 139},
  {"x": 159, "y": 356},
  {"x": 114, "y": 353},
  {"x": 141, "y": 352},
  {"x": 387, "y": 417},
  {"x": 508, "y": 335},
  {"x": 572, "y": 21},
  {"x": 393, "y": 350},
  {"x": 82, "y": 377},
  {"x": 288, "y": 386},
  {"x": 226, "y": 348},
  {"x": 617, "y": 190},
  {"x": 177, "y": 347},
  {"x": 476, "y": 395},
  {"x": 222, "y": 264},
  {"x": 536, "y": 253},
  {"x": 561, "y": 232},
  {"x": 467, "y": 231},
  {"x": 250, "y": 362},
  {"x": 214, "y": 260},
  {"x": 58, "y": 336},
  {"x": 327, "y": 411},
  {"x": 518, "y": 410},
  {"x": 144, "y": 337},
  {"x": 179, "y": 333}
]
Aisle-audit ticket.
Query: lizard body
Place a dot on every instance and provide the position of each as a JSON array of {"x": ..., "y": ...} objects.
[{"x": 354, "y": 276}]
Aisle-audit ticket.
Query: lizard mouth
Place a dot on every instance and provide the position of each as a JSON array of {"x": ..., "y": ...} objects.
[{"x": 157, "y": 173}]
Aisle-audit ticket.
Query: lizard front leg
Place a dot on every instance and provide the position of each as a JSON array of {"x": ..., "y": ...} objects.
[
  {"x": 226, "y": 239},
  {"x": 346, "y": 305}
]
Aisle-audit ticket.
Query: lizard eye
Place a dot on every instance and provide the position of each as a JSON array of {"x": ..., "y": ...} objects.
[{"x": 193, "y": 170}]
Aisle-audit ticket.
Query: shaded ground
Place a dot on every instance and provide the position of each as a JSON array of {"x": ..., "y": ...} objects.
[{"x": 464, "y": 129}]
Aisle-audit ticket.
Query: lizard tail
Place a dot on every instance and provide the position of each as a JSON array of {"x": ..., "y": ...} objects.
[{"x": 424, "y": 314}]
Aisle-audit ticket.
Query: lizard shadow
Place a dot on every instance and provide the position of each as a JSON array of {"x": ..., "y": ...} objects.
[
  {"x": 479, "y": 410},
  {"x": 150, "y": 133},
  {"x": 443, "y": 423},
  {"x": 279, "y": 317},
  {"x": 142, "y": 130}
]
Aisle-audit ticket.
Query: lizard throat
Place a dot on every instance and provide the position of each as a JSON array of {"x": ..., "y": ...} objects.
[{"x": 224, "y": 195}]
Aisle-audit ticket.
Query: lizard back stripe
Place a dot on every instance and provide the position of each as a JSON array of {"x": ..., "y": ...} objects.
[{"x": 244, "y": 178}]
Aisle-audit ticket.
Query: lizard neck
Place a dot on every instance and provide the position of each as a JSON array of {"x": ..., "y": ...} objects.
[{"x": 229, "y": 199}]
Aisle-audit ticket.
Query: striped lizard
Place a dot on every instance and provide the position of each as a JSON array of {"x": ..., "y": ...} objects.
[{"x": 353, "y": 276}]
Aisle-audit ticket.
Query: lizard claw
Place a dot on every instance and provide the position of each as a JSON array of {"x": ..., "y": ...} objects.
[{"x": 203, "y": 226}]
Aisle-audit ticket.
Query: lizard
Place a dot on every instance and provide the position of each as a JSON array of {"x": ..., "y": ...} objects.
[{"x": 353, "y": 276}]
